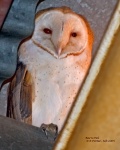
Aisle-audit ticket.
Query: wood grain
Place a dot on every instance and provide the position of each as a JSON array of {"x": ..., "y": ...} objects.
[{"x": 100, "y": 116}]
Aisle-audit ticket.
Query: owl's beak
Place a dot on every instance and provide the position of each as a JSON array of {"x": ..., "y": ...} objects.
[
  {"x": 59, "y": 48},
  {"x": 59, "y": 51}
]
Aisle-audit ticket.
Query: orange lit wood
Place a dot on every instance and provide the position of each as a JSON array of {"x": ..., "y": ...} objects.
[{"x": 100, "y": 116}]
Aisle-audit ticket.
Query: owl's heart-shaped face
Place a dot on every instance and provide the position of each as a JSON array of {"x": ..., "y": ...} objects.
[{"x": 60, "y": 33}]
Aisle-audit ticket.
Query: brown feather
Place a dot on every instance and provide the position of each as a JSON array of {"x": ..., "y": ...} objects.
[
  {"x": 21, "y": 95},
  {"x": 26, "y": 96}
]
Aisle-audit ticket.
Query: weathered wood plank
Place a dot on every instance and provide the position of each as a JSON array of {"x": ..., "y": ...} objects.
[{"x": 15, "y": 135}]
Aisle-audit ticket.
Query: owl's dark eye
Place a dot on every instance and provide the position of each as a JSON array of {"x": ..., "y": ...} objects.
[
  {"x": 74, "y": 34},
  {"x": 47, "y": 31}
]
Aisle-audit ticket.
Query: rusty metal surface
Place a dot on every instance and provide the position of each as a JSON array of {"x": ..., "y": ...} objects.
[
  {"x": 18, "y": 25},
  {"x": 4, "y": 7}
]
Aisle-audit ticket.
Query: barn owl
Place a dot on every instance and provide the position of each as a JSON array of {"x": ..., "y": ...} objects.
[{"x": 52, "y": 65}]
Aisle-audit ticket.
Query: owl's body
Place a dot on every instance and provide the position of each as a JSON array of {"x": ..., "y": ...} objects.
[
  {"x": 57, "y": 56},
  {"x": 57, "y": 82}
]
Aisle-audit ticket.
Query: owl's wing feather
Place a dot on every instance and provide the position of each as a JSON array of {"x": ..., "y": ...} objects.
[{"x": 21, "y": 95}]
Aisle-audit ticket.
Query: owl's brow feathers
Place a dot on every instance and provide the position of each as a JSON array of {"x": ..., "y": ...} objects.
[{"x": 63, "y": 9}]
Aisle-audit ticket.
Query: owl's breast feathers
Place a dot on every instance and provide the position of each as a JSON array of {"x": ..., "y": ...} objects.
[
  {"x": 54, "y": 62},
  {"x": 57, "y": 82}
]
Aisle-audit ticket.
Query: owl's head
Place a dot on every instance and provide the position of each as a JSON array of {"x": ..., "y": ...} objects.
[{"x": 62, "y": 32}]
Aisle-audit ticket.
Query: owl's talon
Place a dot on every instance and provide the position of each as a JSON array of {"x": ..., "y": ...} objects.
[{"x": 50, "y": 130}]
